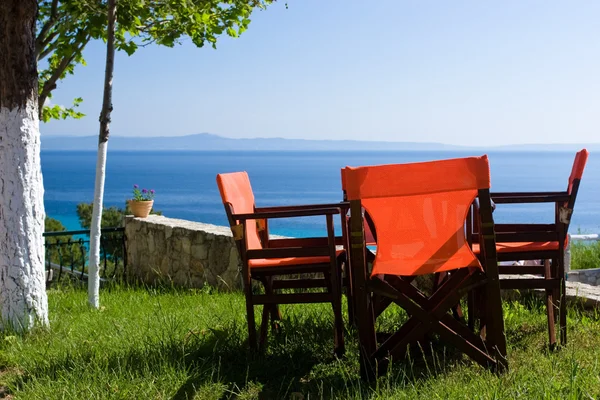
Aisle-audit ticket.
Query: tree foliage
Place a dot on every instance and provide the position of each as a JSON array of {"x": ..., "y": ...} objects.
[
  {"x": 65, "y": 27},
  {"x": 112, "y": 217},
  {"x": 64, "y": 249},
  {"x": 53, "y": 225}
]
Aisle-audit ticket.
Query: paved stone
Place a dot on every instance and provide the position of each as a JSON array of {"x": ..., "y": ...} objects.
[{"x": 582, "y": 293}]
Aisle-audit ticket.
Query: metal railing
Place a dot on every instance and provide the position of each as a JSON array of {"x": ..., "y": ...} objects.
[{"x": 67, "y": 254}]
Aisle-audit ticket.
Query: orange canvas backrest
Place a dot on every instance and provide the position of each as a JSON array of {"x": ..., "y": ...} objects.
[
  {"x": 236, "y": 190},
  {"x": 419, "y": 212},
  {"x": 578, "y": 166}
]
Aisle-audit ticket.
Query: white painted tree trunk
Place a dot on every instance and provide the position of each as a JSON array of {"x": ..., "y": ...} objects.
[
  {"x": 95, "y": 231},
  {"x": 23, "y": 301},
  {"x": 95, "y": 228}
]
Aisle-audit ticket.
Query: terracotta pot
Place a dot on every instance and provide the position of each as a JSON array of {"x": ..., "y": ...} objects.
[{"x": 141, "y": 209}]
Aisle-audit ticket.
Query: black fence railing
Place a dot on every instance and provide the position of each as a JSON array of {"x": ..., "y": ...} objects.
[{"x": 67, "y": 253}]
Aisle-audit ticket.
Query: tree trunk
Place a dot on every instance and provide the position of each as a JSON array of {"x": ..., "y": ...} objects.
[
  {"x": 94, "y": 269},
  {"x": 23, "y": 301}
]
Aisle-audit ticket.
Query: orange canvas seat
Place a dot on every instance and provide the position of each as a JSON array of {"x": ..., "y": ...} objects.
[
  {"x": 281, "y": 262},
  {"x": 267, "y": 260},
  {"x": 418, "y": 213},
  {"x": 520, "y": 246}
]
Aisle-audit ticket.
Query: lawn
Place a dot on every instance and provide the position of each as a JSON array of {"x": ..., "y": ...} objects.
[
  {"x": 190, "y": 344},
  {"x": 585, "y": 255}
]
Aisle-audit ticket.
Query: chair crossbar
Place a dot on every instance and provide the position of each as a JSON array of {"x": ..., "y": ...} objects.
[{"x": 430, "y": 314}]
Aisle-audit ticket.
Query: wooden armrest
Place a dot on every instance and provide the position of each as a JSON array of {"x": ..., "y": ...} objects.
[
  {"x": 286, "y": 214},
  {"x": 344, "y": 205},
  {"x": 532, "y": 197}
]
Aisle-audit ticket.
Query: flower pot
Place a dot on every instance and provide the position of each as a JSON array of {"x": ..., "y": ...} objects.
[{"x": 141, "y": 209}]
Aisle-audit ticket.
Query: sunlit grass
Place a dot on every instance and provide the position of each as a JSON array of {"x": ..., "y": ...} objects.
[
  {"x": 167, "y": 343},
  {"x": 585, "y": 255}
]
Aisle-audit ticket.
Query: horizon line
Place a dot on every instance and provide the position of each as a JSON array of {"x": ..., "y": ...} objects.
[{"x": 330, "y": 140}]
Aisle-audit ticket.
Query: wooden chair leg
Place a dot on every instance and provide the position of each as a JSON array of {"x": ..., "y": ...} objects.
[
  {"x": 563, "y": 300},
  {"x": 269, "y": 312},
  {"x": 250, "y": 317},
  {"x": 350, "y": 294},
  {"x": 365, "y": 323},
  {"x": 550, "y": 306},
  {"x": 495, "y": 335},
  {"x": 275, "y": 313},
  {"x": 338, "y": 319},
  {"x": 563, "y": 313},
  {"x": 555, "y": 291},
  {"x": 264, "y": 327}
]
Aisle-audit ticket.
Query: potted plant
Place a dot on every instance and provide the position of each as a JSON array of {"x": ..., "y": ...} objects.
[{"x": 142, "y": 202}]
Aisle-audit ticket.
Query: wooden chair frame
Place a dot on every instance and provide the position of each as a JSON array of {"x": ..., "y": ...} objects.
[
  {"x": 283, "y": 248},
  {"x": 428, "y": 314},
  {"x": 552, "y": 269}
]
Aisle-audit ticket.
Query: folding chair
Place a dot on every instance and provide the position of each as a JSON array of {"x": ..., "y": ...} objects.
[
  {"x": 265, "y": 260},
  {"x": 545, "y": 242},
  {"x": 418, "y": 211}
]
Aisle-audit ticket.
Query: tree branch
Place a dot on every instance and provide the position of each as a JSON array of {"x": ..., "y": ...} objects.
[
  {"x": 39, "y": 41},
  {"x": 50, "y": 84},
  {"x": 48, "y": 46}
]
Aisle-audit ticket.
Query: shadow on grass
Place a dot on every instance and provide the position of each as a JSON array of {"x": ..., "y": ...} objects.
[
  {"x": 285, "y": 367},
  {"x": 298, "y": 359}
]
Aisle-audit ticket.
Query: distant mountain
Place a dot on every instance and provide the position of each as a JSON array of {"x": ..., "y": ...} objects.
[{"x": 210, "y": 142}]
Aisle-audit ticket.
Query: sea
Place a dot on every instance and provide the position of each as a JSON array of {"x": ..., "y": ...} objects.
[{"x": 186, "y": 188}]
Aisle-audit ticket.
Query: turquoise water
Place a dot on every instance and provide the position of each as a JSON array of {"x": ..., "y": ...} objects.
[{"x": 186, "y": 188}]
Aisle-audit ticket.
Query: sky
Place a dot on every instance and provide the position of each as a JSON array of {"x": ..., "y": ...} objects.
[{"x": 457, "y": 72}]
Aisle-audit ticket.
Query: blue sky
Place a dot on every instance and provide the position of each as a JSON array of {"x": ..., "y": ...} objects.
[{"x": 458, "y": 72}]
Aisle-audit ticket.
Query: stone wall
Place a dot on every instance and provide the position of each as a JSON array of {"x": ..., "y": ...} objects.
[
  {"x": 190, "y": 254},
  {"x": 590, "y": 276},
  {"x": 186, "y": 253}
]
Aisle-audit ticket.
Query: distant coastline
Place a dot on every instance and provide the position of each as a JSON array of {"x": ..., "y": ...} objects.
[{"x": 210, "y": 142}]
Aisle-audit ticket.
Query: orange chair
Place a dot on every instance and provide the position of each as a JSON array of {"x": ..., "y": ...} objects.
[
  {"x": 418, "y": 211},
  {"x": 544, "y": 242},
  {"x": 264, "y": 259}
]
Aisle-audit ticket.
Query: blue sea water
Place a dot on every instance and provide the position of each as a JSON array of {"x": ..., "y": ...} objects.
[{"x": 186, "y": 188}]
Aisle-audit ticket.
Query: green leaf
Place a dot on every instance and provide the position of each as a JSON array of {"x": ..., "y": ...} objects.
[{"x": 232, "y": 32}]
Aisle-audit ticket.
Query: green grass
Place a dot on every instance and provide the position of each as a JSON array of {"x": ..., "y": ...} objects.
[
  {"x": 585, "y": 255},
  {"x": 178, "y": 344}
]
